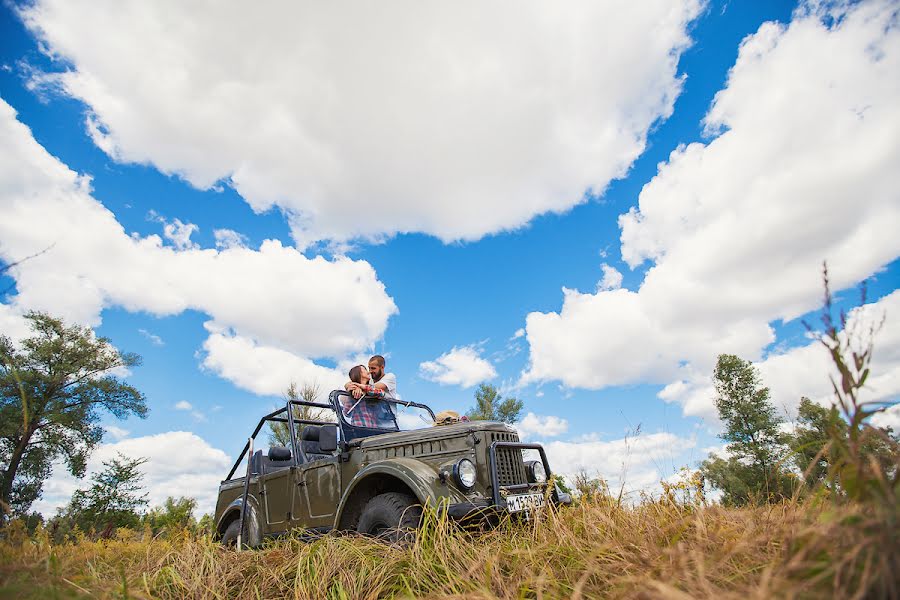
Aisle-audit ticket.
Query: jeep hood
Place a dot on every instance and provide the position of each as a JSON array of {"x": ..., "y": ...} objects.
[{"x": 431, "y": 433}]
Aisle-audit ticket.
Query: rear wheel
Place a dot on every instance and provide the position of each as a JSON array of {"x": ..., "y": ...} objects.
[
  {"x": 252, "y": 537},
  {"x": 229, "y": 538},
  {"x": 392, "y": 517}
]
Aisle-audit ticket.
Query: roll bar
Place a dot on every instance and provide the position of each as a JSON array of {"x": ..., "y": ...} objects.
[{"x": 286, "y": 415}]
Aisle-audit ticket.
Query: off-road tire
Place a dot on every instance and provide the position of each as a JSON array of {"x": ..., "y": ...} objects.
[
  {"x": 392, "y": 517},
  {"x": 229, "y": 538}
]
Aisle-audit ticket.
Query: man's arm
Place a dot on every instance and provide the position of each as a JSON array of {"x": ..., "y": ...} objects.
[{"x": 388, "y": 384}]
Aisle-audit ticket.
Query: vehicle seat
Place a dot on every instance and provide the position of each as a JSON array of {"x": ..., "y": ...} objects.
[
  {"x": 310, "y": 442},
  {"x": 261, "y": 464}
]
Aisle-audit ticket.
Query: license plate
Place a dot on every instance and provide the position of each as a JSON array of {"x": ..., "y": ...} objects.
[{"x": 522, "y": 502}]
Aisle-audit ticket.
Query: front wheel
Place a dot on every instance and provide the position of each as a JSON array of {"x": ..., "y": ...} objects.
[{"x": 392, "y": 517}]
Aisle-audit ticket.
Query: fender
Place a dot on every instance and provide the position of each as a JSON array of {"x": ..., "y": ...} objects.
[
  {"x": 422, "y": 479},
  {"x": 254, "y": 531}
]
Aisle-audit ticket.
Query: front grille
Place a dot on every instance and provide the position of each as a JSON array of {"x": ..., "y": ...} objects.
[{"x": 510, "y": 464}]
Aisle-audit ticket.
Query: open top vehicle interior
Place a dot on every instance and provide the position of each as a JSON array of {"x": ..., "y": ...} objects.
[{"x": 318, "y": 439}]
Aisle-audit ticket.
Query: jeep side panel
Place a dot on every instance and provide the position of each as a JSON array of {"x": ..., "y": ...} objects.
[
  {"x": 276, "y": 491},
  {"x": 317, "y": 492}
]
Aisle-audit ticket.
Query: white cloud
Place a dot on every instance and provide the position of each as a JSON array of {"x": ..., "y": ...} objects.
[
  {"x": 12, "y": 323},
  {"x": 228, "y": 238},
  {"x": 179, "y": 464},
  {"x": 274, "y": 296},
  {"x": 612, "y": 278},
  {"x": 520, "y": 332},
  {"x": 805, "y": 370},
  {"x": 411, "y": 107},
  {"x": 890, "y": 417},
  {"x": 637, "y": 463},
  {"x": 177, "y": 232},
  {"x": 264, "y": 370},
  {"x": 154, "y": 339},
  {"x": 184, "y": 405},
  {"x": 806, "y": 168},
  {"x": 540, "y": 426},
  {"x": 461, "y": 366},
  {"x": 117, "y": 433}
]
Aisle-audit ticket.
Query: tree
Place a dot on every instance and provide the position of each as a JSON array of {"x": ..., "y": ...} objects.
[
  {"x": 816, "y": 425},
  {"x": 113, "y": 500},
  {"x": 173, "y": 514},
  {"x": 755, "y": 469},
  {"x": 279, "y": 434},
  {"x": 490, "y": 406},
  {"x": 53, "y": 388}
]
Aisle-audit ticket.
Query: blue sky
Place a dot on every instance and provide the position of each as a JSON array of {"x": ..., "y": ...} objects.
[{"x": 479, "y": 268}]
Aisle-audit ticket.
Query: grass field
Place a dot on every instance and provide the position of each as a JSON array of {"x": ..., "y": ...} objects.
[{"x": 598, "y": 549}]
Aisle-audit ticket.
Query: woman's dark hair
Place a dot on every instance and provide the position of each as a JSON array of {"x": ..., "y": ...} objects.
[{"x": 356, "y": 374}]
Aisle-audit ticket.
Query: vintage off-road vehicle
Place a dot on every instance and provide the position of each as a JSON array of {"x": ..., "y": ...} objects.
[{"x": 372, "y": 467}]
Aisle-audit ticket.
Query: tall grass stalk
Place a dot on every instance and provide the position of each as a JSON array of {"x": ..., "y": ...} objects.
[{"x": 658, "y": 549}]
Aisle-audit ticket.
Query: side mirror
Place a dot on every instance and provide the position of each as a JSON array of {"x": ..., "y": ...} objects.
[{"x": 328, "y": 438}]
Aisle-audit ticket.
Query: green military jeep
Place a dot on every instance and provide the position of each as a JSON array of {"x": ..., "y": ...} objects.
[{"x": 371, "y": 465}]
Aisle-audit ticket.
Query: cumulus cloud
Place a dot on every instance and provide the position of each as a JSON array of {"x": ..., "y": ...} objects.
[
  {"x": 634, "y": 463},
  {"x": 412, "y": 107},
  {"x": 117, "y": 433},
  {"x": 166, "y": 472},
  {"x": 890, "y": 417},
  {"x": 462, "y": 366},
  {"x": 264, "y": 370},
  {"x": 541, "y": 426},
  {"x": 184, "y": 405},
  {"x": 178, "y": 233},
  {"x": 274, "y": 296},
  {"x": 229, "y": 238},
  {"x": 806, "y": 371},
  {"x": 612, "y": 278},
  {"x": 12, "y": 323},
  {"x": 805, "y": 167}
]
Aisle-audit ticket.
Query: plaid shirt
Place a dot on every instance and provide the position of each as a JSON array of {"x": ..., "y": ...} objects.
[{"x": 366, "y": 413}]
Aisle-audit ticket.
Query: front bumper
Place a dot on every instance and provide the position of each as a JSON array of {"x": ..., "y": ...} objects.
[
  {"x": 485, "y": 510},
  {"x": 496, "y": 505}
]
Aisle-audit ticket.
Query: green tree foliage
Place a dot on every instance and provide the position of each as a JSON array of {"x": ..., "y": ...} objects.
[
  {"x": 53, "y": 389},
  {"x": 172, "y": 515},
  {"x": 490, "y": 406},
  {"x": 114, "y": 499},
  {"x": 279, "y": 434},
  {"x": 815, "y": 426},
  {"x": 755, "y": 469}
]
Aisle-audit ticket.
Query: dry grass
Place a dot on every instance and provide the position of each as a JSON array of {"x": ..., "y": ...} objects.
[{"x": 597, "y": 550}]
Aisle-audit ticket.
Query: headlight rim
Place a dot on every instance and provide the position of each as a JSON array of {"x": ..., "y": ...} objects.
[
  {"x": 458, "y": 477},
  {"x": 532, "y": 475}
]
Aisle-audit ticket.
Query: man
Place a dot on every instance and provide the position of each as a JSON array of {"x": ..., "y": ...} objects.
[{"x": 386, "y": 382}]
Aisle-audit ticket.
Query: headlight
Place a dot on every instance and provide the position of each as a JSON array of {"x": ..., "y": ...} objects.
[
  {"x": 465, "y": 474},
  {"x": 536, "y": 471}
]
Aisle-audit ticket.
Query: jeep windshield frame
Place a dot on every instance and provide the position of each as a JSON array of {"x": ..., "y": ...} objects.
[{"x": 351, "y": 431}]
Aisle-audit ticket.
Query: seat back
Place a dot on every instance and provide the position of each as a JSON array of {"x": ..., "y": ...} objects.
[{"x": 310, "y": 442}]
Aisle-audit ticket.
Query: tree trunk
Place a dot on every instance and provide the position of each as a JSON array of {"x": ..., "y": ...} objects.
[{"x": 10, "y": 474}]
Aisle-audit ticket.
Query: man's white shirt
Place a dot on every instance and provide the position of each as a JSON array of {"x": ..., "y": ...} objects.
[{"x": 390, "y": 380}]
